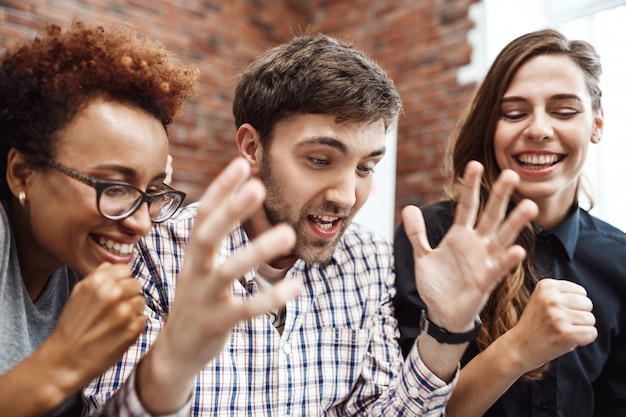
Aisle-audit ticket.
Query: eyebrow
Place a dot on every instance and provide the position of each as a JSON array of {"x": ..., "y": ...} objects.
[
  {"x": 129, "y": 172},
  {"x": 340, "y": 146},
  {"x": 512, "y": 99}
]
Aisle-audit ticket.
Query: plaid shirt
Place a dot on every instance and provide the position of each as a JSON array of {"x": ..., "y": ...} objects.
[{"x": 338, "y": 354}]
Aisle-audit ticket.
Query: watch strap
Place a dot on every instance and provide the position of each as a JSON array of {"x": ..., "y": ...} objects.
[{"x": 443, "y": 335}]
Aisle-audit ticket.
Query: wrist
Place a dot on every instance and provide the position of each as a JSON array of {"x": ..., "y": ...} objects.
[
  {"x": 58, "y": 379},
  {"x": 443, "y": 335},
  {"x": 508, "y": 351},
  {"x": 158, "y": 383}
]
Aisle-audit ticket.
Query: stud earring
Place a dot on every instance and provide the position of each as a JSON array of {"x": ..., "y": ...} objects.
[{"x": 21, "y": 196}]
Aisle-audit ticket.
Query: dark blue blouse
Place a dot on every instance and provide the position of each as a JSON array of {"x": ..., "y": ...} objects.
[{"x": 589, "y": 381}]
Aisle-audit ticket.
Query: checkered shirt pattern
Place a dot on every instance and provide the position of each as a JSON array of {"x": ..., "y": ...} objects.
[{"x": 338, "y": 354}]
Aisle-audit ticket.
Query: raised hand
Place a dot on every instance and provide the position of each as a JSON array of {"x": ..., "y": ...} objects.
[
  {"x": 204, "y": 313},
  {"x": 456, "y": 279}
]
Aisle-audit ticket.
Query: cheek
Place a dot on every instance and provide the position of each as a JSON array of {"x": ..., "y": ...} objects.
[
  {"x": 57, "y": 219},
  {"x": 577, "y": 139},
  {"x": 363, "y": 191},
  {"x": 502, "y": 141}
]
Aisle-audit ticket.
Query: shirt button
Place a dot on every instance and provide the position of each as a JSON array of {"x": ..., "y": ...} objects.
[
  {"x": 432, "y": 404},
  {"x": 544, "y": 404},
  {"x": 414, "y": 392},
  {"x": 286, "y": 349}
]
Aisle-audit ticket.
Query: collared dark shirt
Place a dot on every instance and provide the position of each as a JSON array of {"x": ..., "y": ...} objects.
[{"x": 589, "y": 381}]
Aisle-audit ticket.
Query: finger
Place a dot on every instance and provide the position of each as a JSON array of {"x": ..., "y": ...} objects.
[
  {"x": 268, "y": 300},
  {"x": 497, "y": 204},
  {"x": 130, "y": 287},
  {"x": 562, "y": 285},
  {"x": 509, "y": 259},
  {"x": 577, "y": 302},
  {"x": 570, "y": 287},
  {"x": 235, "y": 173},
  {"x": 415, "y": 229},
  {"x": 583, "y": 327},
  {"x": 582, "y": 318},
  {"x": 209, "y": 231},
  {"x": 107, "y": 270},
  {"x": 138, "y": 303},
  {"x": 586, "y": 335},
  {"x": 520, "y": 217},
  {"x": 470, "y": 195},
  {"x": 277, "y": 241}
]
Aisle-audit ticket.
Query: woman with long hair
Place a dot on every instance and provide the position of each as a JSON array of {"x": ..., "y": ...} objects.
[{"x": 553, "y": 340}]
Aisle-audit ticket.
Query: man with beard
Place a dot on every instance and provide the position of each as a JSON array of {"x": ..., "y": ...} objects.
[{"x": 311, "y": 119}]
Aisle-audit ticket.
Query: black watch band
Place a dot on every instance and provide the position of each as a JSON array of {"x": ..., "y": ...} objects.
[{"x": 444, "y": 336}]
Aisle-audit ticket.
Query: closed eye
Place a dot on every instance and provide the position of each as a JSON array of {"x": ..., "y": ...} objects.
[
  {"x": 319, "y": 161},
  {"x": 514, "y": 116},
  {"x": 566, "y": 114},
  {"x": 365, "y": 170}
]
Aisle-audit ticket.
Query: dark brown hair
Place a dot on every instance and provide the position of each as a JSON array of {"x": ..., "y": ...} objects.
[{"x": 314, "y": 74}]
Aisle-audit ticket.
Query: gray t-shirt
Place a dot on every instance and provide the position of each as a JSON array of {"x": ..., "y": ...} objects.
[{"x": 24, "y": 324}]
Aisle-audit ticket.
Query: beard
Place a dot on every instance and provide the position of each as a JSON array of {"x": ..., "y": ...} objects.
[{"x": 308, "y": 247}]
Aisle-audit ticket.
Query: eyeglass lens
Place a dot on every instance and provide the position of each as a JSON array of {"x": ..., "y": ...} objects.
[{"x": 118, "y": 201}]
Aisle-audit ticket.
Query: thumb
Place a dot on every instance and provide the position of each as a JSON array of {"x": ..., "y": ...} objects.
[{"x": 415, "y": 229}]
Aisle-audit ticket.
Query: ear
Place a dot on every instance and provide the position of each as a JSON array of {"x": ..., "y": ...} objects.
[
  {"x": 598, "y": 127},
  {"x": 19, "y": 172},
  {"x": 250, "y": 148}
]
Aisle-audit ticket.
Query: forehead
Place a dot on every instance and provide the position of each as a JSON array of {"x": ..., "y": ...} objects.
[
  {"x": 548, "y": 75},
  {"x": 308, "y": 130},
  {"x": 115, "y": 132}
]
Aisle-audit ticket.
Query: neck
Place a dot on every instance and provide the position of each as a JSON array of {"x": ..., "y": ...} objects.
[
  {"x": 35, "y": 274},
  {"x": 550, "y": 214}
]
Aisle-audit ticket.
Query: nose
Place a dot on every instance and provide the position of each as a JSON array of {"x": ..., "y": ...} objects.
[
  {"x": 342, "y": 191},
  {"x": 139, "y": 222},
  {"x": 539, "y": 127}
]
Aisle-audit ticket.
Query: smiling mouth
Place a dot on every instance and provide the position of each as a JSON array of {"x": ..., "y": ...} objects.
[
  {"x": 117, "y": 248},
  {"x": 324, "y": 222},
  {"x": 538, "y": 162}
]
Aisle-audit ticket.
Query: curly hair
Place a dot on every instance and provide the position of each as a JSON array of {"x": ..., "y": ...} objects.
[
  {"x": 314, "y": 74},
  {"x": 47, "y": 80},
  {"x": 474, "y": 140}
]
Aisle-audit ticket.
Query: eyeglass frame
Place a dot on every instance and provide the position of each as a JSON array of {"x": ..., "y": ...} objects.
[{"x": 100, "y": 185}]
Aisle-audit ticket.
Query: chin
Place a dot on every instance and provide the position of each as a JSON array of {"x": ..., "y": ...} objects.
[{"x": 315, "y": 255}]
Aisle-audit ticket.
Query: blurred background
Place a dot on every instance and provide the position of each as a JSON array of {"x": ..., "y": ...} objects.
[{"x": 435, "y": 50}]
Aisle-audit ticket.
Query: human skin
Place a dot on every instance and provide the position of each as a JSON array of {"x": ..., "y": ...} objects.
[
  {"x": 113, "y": 141},
  {"x": 546, "y": 126},
  {"x": 318, "y": 174},
  {"x": 321, "y": 168},
  {"x": 106, "y": 140},
  {"x": 61, "y": 225},
  {"x": 544, "y": 133},
  {"x": 204, "y": 312}
]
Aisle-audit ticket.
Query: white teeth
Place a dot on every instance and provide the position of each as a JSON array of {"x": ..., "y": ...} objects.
[
  {"x": 326, "y": 218},
  {"x": 325, "y": 222},
  {"x": 324, "y": 226},
  {"x": 538, "y": 159},
  {"x": 116, "y": 247}
]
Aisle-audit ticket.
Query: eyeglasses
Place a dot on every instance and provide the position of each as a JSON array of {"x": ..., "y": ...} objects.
[{"x": 117, "y": 200}]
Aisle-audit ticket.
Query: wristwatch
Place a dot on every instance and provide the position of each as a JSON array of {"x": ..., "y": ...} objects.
[{"x": 444, "y": 336}]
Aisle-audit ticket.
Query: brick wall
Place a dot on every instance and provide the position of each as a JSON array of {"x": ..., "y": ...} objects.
[{"x": 421, "y": 43}]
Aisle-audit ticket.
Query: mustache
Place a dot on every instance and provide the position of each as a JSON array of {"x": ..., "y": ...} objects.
[{"x": 328, "y": 207}]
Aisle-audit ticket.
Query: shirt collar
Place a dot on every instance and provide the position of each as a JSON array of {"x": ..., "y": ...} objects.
[{"x": 566, "y": 232}]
